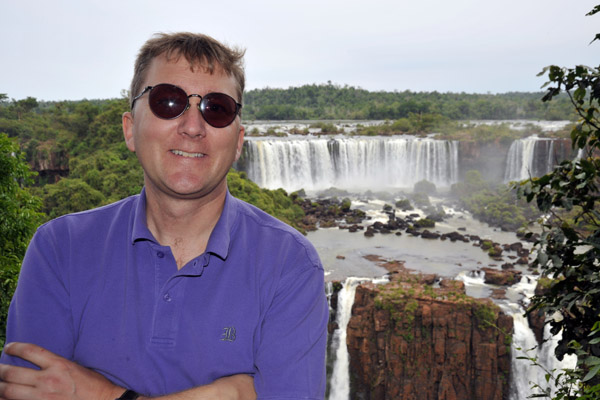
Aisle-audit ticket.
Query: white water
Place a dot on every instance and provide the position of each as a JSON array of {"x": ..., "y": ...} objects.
[
  {"x": 521, "y": 159},
  {"x": 340, "y": 377},
  {"x": 524, "y": 344},
  {"x": 353, "y": 163}
]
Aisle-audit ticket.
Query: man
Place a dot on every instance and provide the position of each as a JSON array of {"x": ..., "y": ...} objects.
[{"x": 182, "y": 291}]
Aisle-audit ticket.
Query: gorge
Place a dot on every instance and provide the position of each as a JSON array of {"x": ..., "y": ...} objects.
[{"x": 447, "y": 354}]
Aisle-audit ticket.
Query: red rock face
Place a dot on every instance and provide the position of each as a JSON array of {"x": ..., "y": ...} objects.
[{"x": 406, "y": 343}]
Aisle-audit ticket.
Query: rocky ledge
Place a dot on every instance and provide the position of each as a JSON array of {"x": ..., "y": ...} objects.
[{"x": 420, "y": 338}]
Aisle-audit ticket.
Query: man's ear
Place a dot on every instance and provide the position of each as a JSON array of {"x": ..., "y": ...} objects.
[
  {"x": 128, "y": 130},
  {"x": 240, "y": 143}
]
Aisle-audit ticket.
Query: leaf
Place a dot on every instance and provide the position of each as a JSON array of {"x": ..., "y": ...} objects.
[
  {"x": 593, "y": 372},
  {"x": 595, "y": 10},
  {"x": 592, "y": 360},
  {"x": 544, "y": 180},
  {"x": 579, "y": 94},
  {"x": 542, "y": 258}
]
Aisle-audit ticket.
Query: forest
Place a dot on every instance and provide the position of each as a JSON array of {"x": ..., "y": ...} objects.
[{"x": 329, "y": 101}]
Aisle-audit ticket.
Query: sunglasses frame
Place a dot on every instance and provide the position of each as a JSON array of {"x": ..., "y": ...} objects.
[{"x": 201, "y": 105}]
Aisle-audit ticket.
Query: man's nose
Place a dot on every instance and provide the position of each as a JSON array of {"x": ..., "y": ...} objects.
[{"x": 192, "y": 122}]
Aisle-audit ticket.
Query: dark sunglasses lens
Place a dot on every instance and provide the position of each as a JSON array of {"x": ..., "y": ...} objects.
[
  {"x": 218, "y": 109},
  {"x": 167, "y": 101}
]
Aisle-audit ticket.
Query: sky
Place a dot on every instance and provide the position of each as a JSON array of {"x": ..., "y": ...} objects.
[{"x": 85, "y": 49}]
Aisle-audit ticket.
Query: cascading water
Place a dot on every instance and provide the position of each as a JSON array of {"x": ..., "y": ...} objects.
[
  {"x": 339, "y": 388},
  {"x": 519, "y": 162},
  {"x": 524, "y": 343},
  {"x": 363, "y": 163},
  {"x": 532, "y": 157},
  {"x": 339, "y": 383}
]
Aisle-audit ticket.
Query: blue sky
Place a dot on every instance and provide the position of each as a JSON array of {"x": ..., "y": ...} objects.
[{"x": 76, "y": 49}]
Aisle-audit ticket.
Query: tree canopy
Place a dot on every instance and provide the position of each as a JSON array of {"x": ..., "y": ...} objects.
[{"x": 19, "y": 217}]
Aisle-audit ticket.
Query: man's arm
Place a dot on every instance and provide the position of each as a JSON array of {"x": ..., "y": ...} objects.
[
  {"x": 290, "y": 359},
  {"x": 59, "y": 378}
]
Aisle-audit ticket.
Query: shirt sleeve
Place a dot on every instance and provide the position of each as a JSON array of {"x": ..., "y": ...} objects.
[
  {"x": 290, "y": 362},
  {"x": 40, "y": 311}
]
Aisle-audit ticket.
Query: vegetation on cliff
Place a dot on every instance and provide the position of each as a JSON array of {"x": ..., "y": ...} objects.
[{"x": 495, "y": 204}]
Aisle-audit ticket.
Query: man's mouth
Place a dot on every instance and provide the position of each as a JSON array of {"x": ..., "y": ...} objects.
[{"x": 186, "y": 154}]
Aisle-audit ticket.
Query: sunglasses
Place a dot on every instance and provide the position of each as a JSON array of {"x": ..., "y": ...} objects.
[{"x": 169, "y": 102}]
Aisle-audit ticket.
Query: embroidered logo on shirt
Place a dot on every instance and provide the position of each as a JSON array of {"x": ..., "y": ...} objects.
[{"x": 228, "y": 334}]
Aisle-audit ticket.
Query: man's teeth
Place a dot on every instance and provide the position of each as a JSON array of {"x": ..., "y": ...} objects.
[{"x": 186, "y": 154}]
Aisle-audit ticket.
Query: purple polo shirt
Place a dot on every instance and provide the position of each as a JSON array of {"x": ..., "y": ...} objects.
[{"x": 96, "y": 288}]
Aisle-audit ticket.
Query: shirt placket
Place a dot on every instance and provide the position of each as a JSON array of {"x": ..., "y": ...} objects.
[{"x": 170, "y": 295}]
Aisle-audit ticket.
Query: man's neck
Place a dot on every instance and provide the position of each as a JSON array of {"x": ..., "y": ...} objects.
[{"x": 183, "y": 224}]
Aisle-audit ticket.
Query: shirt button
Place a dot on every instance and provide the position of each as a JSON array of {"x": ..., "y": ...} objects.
[
  {"x": 167, "y": 298},
  {"x": 160, "y": 254}
]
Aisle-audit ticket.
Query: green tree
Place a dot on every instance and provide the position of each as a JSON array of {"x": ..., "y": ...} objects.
[
  {"x": 19, "y": 217},
  {"x": 275, "y": 202},
  {"x": 70, "y": 195},
  {"x": 569, "y": 247},
  {"x": 24, "y": 106}
]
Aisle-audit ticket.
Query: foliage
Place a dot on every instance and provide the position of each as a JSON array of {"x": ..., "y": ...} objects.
[
  {"x": 413, "y": 124},
  {"x": 19, "y": 217},
  {"x": 496, "y": 205},
  {"x": 333, "y": 102},
  {"x": 115, "y": 172},
  {"x": 70, "y": 195},
  {"x": 569, "y": 248},
  {"x": 404, "y": 204},
  {"x": 275, "y": 202},
  {"x": 326, "y": 128},
  {"x": 425, "y": 223},
  {"x": 425, "y": 187},
  {"x": 501, "y": 133}
]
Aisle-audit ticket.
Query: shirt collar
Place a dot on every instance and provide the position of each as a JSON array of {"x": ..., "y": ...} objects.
[
  {"x": 219, "y": 240},
  {"x": 140, "y": 228}
]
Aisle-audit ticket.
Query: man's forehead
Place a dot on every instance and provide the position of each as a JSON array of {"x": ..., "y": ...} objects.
[{"x": 195, "y": 64}]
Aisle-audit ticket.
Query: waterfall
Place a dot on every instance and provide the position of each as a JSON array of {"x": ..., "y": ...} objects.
[
  {"x": 519, "y": 162},
  {"x": 524, "y": 343},
  {"x": 533, "y": 157},
  {"x": 354, "y": 163},
  {"x": 339, "y": 383},
  {"x": 340, "y": 377}
]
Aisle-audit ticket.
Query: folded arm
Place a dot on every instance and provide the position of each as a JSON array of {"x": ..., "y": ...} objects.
[{"x": 59, "y": 378}]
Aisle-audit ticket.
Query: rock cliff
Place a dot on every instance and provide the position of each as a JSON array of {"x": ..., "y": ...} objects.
[
  {"x": 49, "y": 162},
  {"x": 409, "y": 340}
]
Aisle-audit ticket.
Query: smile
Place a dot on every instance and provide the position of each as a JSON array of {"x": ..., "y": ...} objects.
[{"x": 186, "y": 154}]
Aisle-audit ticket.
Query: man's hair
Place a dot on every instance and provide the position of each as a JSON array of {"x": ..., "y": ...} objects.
[{"x": 201, "y": 51}]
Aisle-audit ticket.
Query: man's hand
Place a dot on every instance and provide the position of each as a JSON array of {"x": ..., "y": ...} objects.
[{"x": 57, "y": 379}]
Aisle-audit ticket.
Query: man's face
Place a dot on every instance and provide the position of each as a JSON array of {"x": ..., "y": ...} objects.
[{"x": 184, "y": 157}]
